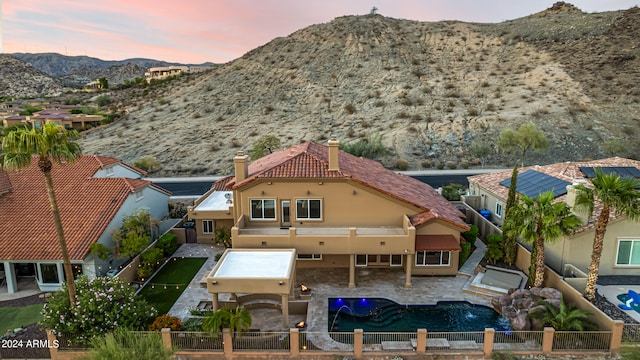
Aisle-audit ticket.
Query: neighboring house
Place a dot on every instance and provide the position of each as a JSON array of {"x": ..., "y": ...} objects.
[
  {"x": 94, "y": 194},
  {"x": 58, "y": 117},
  {"x": 336, "y": 210},
  {"x": 621, "y": 253}
]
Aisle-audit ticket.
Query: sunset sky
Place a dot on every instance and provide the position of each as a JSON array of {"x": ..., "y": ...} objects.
[{"x": 196, "y": 31}]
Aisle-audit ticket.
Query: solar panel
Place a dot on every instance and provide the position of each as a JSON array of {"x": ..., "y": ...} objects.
[
  {"x": 533, "y": 183},
  {"x": 622, "y": 171}
]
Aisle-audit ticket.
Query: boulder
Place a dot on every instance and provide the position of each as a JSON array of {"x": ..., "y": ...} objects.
[
  {"x": 550, "y": 293},
  {"x": 521, "y": 322}
]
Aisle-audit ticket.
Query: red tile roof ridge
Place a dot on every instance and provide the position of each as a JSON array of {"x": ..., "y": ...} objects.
[{"x": 311, "y": 160}]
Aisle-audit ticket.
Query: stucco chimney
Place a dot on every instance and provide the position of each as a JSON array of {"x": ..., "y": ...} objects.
[
  {"x": 571, "y": 201},
  {"x": 241, "y": 166},
  {"x": 334, "y": 145}
]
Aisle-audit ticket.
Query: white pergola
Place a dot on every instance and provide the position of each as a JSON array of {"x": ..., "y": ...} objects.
[{"x": 255, "y": 271}]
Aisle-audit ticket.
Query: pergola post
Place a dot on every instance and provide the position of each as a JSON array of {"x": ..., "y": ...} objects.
[
  {"x": 214, "y": 302},
  {"x": 352, "y": 271},
  {"x": 407, "y": 277},
  {"x": 285, "y": 310}
]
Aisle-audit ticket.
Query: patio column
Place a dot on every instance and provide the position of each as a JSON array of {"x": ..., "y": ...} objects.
[
  {"x": 214, "y": 302},
  {"x": 285, "y": 310},
  {"x": 10, "y": 278},
  {"x": 352, "y": 271},
  {"x": 407, "y": 271}
]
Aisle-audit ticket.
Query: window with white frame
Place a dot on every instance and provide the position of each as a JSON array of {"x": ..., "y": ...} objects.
[
  {"x": 361, "y": 260},
  {"x": 433, "y": 258},
  {"x": 396, "y": 260},
  {"x": 309, "y": 256},
  {"x": 263, "y": 209},
  {"x": 308, "y": 209},
  {"x": 109, "y": 171},
  {"x": 499, "y": 210},
  {"x": 628, "y": 252},
  {"x": 139, "y": 195},
  {"x": 49, "y": 273},
  {"x": 207, "y": 226}
]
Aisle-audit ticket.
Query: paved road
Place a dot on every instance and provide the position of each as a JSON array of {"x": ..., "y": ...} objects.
[{"x": 196, "y": 186}]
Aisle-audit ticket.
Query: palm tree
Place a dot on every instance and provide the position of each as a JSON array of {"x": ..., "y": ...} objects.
[
  {"x": 540, "y": 219},
  {"x": 566, "y": 317},
  {"x": 52, "y": 143},
  {"x": 236, "y": 319},
  {"x": 613, "y": 193}
]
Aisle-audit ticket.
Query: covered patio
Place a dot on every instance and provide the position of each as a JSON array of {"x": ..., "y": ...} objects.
[{"x": 254, "y": 271}]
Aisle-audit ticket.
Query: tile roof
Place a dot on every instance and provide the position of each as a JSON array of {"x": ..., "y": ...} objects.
[
  {"x": 106, "y": 160},
  {"x": 87, "y": 205},
  {"x": 5, "y": 183},
  {"x": 311, "y": 160},
  {"x": 567, "y": 171}
]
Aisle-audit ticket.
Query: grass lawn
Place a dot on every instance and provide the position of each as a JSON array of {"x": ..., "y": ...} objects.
[
  {"x": 14, "y": 317},
  {"x": 167, "y": 285}
]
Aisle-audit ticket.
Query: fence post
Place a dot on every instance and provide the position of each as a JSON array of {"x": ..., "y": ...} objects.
[
  {"x": 547, "y": 340},
  {"x": 166, "y": 337},
  {"x": 616, "y": 336},
  {"x": 421, "y": 346},
  {"x": 53, "y": 344},
  {"x": 294, "y": 342},
  {"x": 357, "y": 343},
  {"x": 227, "y": 342},
  {"x": 489, "y": 338}
]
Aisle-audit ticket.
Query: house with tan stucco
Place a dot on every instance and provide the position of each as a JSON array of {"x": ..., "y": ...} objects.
[
  {"x": 336, "y": 210},
  {"x": 572, "y": 254}
]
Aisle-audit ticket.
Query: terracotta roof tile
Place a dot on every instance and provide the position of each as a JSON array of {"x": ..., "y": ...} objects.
[
  {"x": 310, "y": 160},
  {"x": 87, "y": 205},
  {"x": 5, "y": 182}
]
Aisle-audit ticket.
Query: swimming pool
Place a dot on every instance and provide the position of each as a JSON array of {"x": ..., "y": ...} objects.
[{"x": 378, "y": 314}]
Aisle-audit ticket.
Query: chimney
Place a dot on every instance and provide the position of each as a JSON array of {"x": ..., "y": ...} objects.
[
  {"x": 241, "y": 166},
  {"x": 571, "y": 201},
  {"x": 333, "y": 154}
]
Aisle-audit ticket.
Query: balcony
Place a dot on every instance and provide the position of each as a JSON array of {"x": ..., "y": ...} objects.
[{"x": 327, "y": 240}]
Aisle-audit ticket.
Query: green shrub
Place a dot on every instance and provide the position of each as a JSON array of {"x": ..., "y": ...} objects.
[
  {"x": 168, "y": 243},
  {"x": 494, "y": 248},
  {"x": 464, "y": 252},
  {"x": 471, "y": 235},
  {"x": 453, "y": 192},
  {"x": 103, "y": 304},
  {"x": 99, "y": 250},
  {"x": 371, "y": 147},
  {"x": 103, "y": 100},
  {"x": 402, "y": 164},
  {"x": 192, "y": 324},
  {"x": 452, "y": 165},
  {"x": 147, "y": 163},
  {"x": 440, "y": 166},
  {"x": 149, "y": 261},
  {"x": 124, "y": 345},
  {"x": 218, "y": 256}
]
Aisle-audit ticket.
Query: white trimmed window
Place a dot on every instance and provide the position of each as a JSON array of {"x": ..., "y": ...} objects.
[
  {"x": 263, "y": 209},
  {"x": 433, "y": 258},
  {"x": 207, "y": 226},
  {"x": 139, "y": 195},
  {"x": 309, "y": 256},
  {"x": 628, "y": 252},
  {"x": 396, "y": 260},
  {"x": 499, "y": 210},
  {"x": 361, "y": 260},
  {"x": 308, "y": 209}
]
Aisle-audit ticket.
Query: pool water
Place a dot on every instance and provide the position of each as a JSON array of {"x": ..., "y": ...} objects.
[{"x": 378, "y": 314}]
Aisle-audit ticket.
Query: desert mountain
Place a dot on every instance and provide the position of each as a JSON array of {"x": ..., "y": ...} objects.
[
  {"x": 20, "y": 79},
  {"x": 430, "y": 88}
]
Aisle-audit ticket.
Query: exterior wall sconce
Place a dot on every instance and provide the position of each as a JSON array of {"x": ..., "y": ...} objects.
[
  {"x": 269, "y": 182},
  {"x": 382, "y": 243},
  {"x": 214, "y": 282},
  {"x": 262, "y": 192},
  {"x": 406, "y": 251},
  {"x": 354, "y": 192},
  {"x": 308, "y": 192},
  {"x": 264, "y": 243},
  {"x": 280, "y": 283},
  {"x": 321, "y": 243},
  {"x": 319, "y": 182}
]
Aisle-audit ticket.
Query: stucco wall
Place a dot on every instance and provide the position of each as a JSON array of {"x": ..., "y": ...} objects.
[{"x": 577, "y": 250}]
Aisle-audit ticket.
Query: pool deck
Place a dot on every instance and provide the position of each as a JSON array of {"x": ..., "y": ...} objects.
[{"x": 325, "y": 283}]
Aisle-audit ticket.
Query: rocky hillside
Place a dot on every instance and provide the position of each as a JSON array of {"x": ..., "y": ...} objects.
[
  {"x": 116, "y": 75},
  {"x": 19, "y": 79},
  {"x": 430, "y": 88}
]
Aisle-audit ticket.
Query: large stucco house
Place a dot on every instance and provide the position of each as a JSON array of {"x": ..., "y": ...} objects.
[
  {"x": 621, "y": 253},
  {"x": 336, "y": 210},
  {"x": 93, "y": 195}
]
